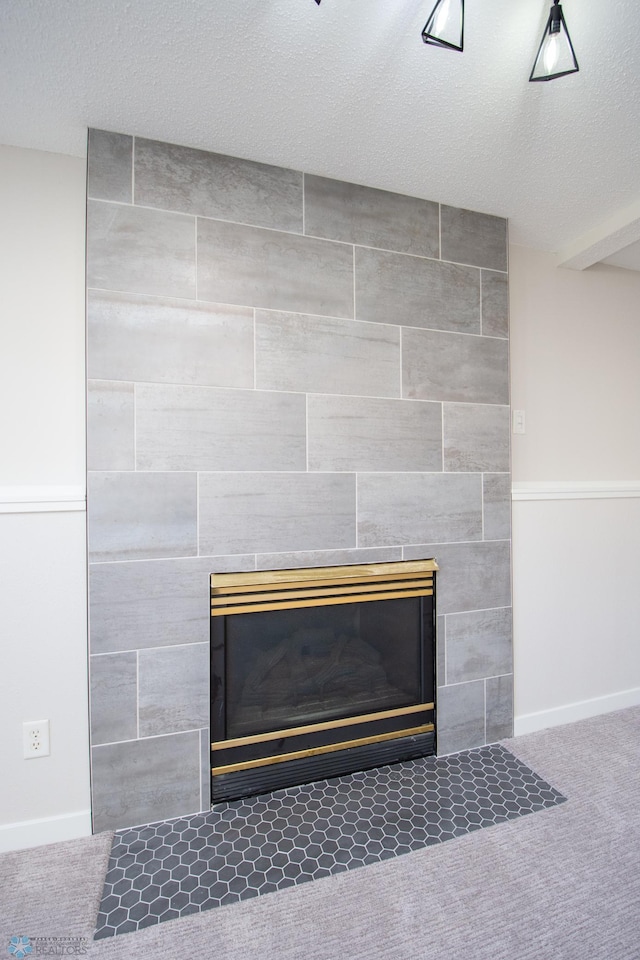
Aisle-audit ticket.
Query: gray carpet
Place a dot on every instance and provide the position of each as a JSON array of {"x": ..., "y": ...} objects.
[{"x": 558, "y": 885}]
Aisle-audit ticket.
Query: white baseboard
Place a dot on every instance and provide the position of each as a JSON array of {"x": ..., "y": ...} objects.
[
  {"x": 35, "y": 833},
  {"x": 531, "y": 722}
]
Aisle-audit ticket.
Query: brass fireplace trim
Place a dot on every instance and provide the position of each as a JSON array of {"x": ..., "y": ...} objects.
[
  {"x": 324, "y": 586},
  {"x": 317, "y": 727},
  {"x": 316, "y": 751}
]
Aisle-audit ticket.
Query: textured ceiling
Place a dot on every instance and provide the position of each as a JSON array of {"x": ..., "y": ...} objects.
[{"x": 347, "y": 89}]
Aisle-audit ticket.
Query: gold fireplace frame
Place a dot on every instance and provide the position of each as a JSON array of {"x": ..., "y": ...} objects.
[{"x": 320, "y": 586}]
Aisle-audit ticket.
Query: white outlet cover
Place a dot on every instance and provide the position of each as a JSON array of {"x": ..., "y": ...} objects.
[{"x": 35, "y": 739}]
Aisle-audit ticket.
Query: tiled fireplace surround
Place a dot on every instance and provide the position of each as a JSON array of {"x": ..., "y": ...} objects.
[{"x": 284, "y": 371}]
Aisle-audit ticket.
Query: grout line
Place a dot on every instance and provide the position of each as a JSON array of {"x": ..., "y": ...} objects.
[{"x": 482, "y": 502}]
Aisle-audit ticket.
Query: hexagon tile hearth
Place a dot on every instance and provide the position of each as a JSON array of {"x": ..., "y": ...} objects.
[{"x": 246, "y": 848}]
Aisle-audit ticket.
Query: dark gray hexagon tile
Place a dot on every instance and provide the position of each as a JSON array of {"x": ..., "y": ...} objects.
[
  {"x": 448, "y": 366},
  {"x": 372, "y": 218},
  {"x": 416, "y": 292},
  {"x": 205, "y": 428},
  {"x": 138, "y": 250},
  {"x": 356, "y": 433},
  {"x": 154, "y": 603},
  {"x": 162, "y": 340},
  {"x": 414, "y": 804},
  {"x": 272, "y": 269},
  {"x": 476, "y": 238},
  {"x": 109, "y": 166},
  {"x": 214, "y": 185}
]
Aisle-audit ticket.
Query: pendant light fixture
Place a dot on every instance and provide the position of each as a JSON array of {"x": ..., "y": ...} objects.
[
  {"x": 445, "y": 26},
  {"x": 555, "y": 57}
]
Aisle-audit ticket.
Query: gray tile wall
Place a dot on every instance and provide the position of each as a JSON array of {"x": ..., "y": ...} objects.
[{"x": 284, "y": 370}]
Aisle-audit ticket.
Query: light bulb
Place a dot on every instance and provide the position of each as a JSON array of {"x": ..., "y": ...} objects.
[
  {"x": 443, "y": 16},
  {"x": 551, "y": 53}
]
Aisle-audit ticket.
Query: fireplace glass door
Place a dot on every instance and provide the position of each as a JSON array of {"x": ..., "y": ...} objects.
[{"x": 316, "y": 672}]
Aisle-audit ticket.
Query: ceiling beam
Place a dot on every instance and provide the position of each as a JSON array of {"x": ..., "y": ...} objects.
[{"x": 603, "y": 241}]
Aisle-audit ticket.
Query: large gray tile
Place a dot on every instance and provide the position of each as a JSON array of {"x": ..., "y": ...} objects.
[
  {"x": 145, "y": 780},
  {"x": 397, "y": 508},
  {"x": 204, "y": 428},
  {"x": 205, "y": 769},
  {"x": 373, "y": 218},
  {"x": 169, "y": 341},
  {"x": 110, "y": 430},
  {"x": 276, "y": 512},
  {"x": 478, "y": 644},
  {"x": 470, "y": 237},
  {"x": 415, "y": 292},
  {"x": 154, "y": 603},
  {"x": 497, "y": 506},
  {"x": 327, "y": 558},
  {"x": 355, "y": 433},
  {"x": 214, "y": 185},
  {"x": 499, "y": 693},
  {"x": 441, "y": 651},
  {"x": 450, "y": 366},
  {"x": 138, "y": 516},
  {"x": 109, "y": 166},
  {"x": 473, "y": 576},
  {"x": 324, "y": 355},
  {"x": 476, "y": 437},
  {"x": 461, "y": 719},
  {"x": 267, "y": 268},
  {"x": 173, "y": 689},
  {"x": 140, "y": 251},
  {"x": 495, "y": 304},
  {"x": 114, "y": 698}
]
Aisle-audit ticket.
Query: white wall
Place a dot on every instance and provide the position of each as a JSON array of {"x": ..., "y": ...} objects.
[
  {"x": 575, "y": 370},
  {"x": 42, "y": 554}
]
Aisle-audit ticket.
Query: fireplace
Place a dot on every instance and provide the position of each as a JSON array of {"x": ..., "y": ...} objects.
[{"x": 318, "y": 672}]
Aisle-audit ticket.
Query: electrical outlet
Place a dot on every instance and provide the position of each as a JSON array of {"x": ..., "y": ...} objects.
[{"x": 35, "y": 739}]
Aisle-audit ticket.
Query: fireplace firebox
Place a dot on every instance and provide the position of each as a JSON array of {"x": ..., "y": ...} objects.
[{"x": 318, "y": 672}]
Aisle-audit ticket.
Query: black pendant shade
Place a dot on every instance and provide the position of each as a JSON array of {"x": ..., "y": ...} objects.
[
  {"x": 555, "y": 57},
  {"x": 445, "y": 26}
]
